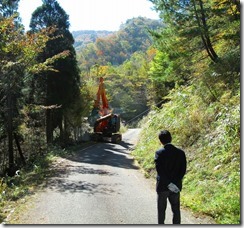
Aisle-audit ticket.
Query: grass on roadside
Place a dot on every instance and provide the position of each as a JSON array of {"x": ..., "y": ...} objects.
[{"x": 210, "y": 136}]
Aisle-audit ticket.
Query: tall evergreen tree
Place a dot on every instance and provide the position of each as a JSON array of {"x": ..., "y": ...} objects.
[
  {"x": 8, "y": 8},
  {"x": 60, "y": 87}
]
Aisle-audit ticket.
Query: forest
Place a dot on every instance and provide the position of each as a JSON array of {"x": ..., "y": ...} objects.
[
  {"x": 181, "y": 73},
  {"x": 122, "y": 58}
]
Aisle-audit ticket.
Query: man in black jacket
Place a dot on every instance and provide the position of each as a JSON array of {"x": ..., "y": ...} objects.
[{"x": 170, "y": 164}]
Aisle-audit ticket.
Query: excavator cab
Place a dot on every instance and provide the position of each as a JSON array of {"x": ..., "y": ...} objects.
[{"x": 106, "y": 124}]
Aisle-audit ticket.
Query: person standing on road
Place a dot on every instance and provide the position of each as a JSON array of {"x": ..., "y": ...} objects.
[{"x": 170, "y": 163}]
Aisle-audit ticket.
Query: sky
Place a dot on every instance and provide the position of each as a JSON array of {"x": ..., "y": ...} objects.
[{"x": 94, "y": 14}]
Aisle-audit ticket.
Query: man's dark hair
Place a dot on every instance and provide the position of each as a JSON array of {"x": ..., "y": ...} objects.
[{"x": 165, "y": 137}]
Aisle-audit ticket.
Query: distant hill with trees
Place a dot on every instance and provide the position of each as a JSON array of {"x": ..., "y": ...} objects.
[
  {"x": 104, "y": 47},
  {"x": 84, "y": 37}
]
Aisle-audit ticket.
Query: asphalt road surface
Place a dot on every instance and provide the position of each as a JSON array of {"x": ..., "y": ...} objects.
[{"x": 100, "y": 184}]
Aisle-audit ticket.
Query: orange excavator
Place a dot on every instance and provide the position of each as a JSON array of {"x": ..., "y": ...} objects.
[{"x": 106, "y": 124}]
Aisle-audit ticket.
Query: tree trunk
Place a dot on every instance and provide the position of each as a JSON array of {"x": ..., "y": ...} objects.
[
  {"x": 66, "y": 131},
  {"x": 60, "y": 124},
  {"x": 49, "y": 128},
  {"x": 202, "y": 24},
  {"x": 10, "y": 127},
  {"x": 206, "y": 33},
  {"x": 19, "y": 149}
]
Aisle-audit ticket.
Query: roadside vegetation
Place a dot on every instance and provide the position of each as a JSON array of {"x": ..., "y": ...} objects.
[
  {"x": 13, "y": 189},
  {"x": 199, "y": 89},
  {"x": 210, "y": 136},
  {"x": 30, "y": 179}
]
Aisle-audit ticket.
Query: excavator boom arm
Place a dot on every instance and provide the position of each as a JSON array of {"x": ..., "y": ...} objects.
[{"x": 101, "y": 95}]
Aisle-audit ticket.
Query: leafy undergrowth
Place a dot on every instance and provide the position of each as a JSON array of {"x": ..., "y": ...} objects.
[
  {"x": 31, "y": 177},
  {"x": 210, "y": 135},
  {"x": 15, "y": 188}
]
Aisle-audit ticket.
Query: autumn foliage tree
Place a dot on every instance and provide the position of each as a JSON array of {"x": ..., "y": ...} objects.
[{"x": 18, "y": 51}]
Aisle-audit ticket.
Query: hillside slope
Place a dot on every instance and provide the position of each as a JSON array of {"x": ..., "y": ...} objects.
[
  {"x": 84, "y": 37},
  {"x": 210, "y": 135},
  {"x": 103, "y": 47}
]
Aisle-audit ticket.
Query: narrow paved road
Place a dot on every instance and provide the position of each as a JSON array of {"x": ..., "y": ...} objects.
[{"x": 99, "y": 185}]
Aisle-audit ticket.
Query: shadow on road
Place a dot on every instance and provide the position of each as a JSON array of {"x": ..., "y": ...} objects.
[
  {"x": 64, "y": 179},
  {"x": 66, "y": 186},
  {"x": 66, "y": 175},
  {"x": 106, "y": 154}
]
